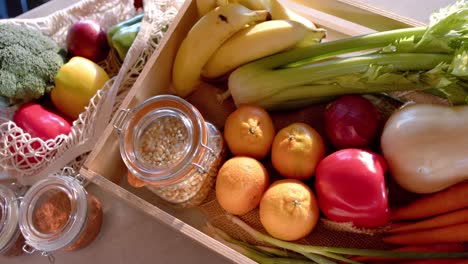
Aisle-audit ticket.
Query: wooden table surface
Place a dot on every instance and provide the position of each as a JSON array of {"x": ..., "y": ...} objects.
[{"x": 130, "y": 236}]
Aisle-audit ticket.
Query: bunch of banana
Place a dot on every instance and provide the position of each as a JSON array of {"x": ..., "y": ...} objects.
[
  {"x": 205, "y": 6},
  {"x": 251, "y": 43},
  {"x": 230, "y": 33}
]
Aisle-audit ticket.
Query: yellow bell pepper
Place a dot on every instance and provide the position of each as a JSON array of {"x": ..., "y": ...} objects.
[{"x": 76, "y": 83}]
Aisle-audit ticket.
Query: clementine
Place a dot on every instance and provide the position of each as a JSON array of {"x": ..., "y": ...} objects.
[
  {"x": 289, "y": 210},
  {"x": 296, "y": 151},
  {"x": 249, "y": 131},
  {"x": 240, "y": 184}
]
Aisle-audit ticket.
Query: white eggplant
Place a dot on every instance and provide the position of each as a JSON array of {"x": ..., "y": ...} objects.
[{"x": 426, "y": 146}]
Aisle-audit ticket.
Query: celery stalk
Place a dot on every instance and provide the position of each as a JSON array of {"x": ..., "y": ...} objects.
[
  {"x": 433, "y": 57},
  {"x": 339, "y": 47},
  {"x": 330, "y": 78}
]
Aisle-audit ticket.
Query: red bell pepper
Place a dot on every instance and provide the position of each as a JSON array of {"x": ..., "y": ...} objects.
[
  {"x": 350, "y": 187},
  {"x": 41, "y": 122}
]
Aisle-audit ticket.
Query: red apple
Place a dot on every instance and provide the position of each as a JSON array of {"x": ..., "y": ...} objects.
[{"x": 86, "y": 38}]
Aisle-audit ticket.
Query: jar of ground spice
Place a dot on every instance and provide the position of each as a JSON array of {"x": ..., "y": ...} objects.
[
  {"x": 57, "y": 213},
  {"x": 169, "y": 148},
  {"x": 11, "y": 239}
]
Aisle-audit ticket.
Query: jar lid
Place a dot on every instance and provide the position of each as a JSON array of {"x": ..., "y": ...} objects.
[
  {"x": 9, "y": 207},
  {"x": 162, "y": 139},
  {"x": 53, "y": 213}
]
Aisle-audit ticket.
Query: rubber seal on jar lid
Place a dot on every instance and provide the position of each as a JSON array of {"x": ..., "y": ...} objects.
[
  {"x": 45, "y": 241},
  {"x": 9, "y": 211},
  {"x": 163, "y": 113}
]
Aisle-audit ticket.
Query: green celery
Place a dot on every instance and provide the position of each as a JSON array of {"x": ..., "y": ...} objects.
[
  {"x": 432, "y": 58},
  {"x": 330, "y": 78}
]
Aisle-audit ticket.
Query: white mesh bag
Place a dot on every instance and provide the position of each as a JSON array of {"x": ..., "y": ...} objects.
[{"x": 18, "y": 158}]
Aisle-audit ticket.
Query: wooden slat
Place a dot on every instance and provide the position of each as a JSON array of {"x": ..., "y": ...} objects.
[
  {"x": 383, "y": 13},
  {"x": 359, "y": 13},
  {"x": 325, "y": 20}
]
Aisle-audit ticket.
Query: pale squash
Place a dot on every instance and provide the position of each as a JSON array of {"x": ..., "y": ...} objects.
[{"x": 426, "y": 146}]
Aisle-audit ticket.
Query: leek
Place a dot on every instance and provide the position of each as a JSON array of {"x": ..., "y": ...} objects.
[
  {"x": 262, "y": 255},
  {"x": 321, "y": 254},
  {"x": 431, "y": 59}
]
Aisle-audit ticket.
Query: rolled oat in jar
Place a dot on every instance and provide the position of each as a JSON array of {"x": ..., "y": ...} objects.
[
  {"x": 169, "y": 148},
  {"x": 57, "y": 213}
]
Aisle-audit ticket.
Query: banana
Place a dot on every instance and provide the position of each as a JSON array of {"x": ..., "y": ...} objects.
[
  {"x": 204, "y": 38},
  {"x": 251, "y": 4},
  {"x": 252, "y": 43},
  {"x": 279, "y": 11},
  {"x": 205, "y": 6}
]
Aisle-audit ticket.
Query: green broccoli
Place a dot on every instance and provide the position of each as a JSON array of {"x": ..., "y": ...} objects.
[{"x": 29, "y": 62}]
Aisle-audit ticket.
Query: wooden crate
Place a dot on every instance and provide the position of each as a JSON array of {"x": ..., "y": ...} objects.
[{"x": 104, "y": 166}]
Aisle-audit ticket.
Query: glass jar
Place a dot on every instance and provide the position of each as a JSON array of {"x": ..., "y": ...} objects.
[
  {"x": 168, "y": 147},
  {"x": 11, "y": 239},
  {"x": 57, "y": 213}
]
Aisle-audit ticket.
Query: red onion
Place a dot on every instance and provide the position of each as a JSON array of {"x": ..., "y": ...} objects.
[
  {"x": 351, "y": 122},
  {"x": 86, "y": 38}
]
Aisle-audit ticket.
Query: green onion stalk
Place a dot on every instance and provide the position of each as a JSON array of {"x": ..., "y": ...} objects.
[
  {"x": 284, "y": 252},
  {"x": 431, "y": 59},
  {"x": 260, "y": 254}
]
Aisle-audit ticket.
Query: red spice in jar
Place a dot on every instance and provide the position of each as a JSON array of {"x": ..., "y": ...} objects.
[
  {"x": 16, "y": 248},
  {"x": 53, "y": 214},
  {"x": 93, "y": 225}
]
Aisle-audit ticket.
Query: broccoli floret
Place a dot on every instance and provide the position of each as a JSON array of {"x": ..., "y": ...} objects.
[{"x": 29, "y": 62}]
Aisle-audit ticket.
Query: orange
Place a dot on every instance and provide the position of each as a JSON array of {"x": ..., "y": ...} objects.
[
  {"x": 249, "y": 131},
  {"x": 296, "y": 151},
  {"x": 289, "y": 210},
  {"x": 240, "y": 184}
]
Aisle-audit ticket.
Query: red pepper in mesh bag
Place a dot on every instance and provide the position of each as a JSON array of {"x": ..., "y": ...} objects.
[{"x": 40, "y": 122}]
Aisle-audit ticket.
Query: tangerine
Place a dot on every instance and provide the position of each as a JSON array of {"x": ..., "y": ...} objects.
[
  {"x": 249, "y": 131},
  {"x": 240, "y": 184},
  {"x": 289, "y": 210},
  {"x": 296, "y": 151}
]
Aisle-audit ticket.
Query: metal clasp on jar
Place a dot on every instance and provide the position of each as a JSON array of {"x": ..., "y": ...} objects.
[
  {"x": 119, "y": 119},
  {"x": 70, "y": 172},
  {"x": 30, "y": 250},
  {"x": 200, "y": 167},
  {"x": 19, "y": 190}
]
